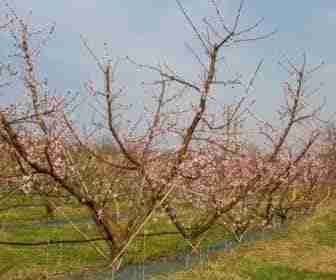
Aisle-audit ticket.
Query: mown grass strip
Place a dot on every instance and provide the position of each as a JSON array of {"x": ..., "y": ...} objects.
[{"x": 305, "y": 251}]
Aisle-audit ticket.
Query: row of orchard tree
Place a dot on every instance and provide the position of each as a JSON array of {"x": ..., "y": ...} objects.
[{"x": 44, "y": 152}]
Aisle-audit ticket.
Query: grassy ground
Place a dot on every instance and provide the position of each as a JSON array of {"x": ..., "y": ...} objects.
[
  {"x": 306, "y": 251},
  {"x": 32, "y": 262}
]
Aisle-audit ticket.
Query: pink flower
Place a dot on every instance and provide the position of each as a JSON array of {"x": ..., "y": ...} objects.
[{"x": 100, "y": 214}]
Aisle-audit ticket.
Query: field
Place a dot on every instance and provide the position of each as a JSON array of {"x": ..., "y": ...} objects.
[
  {"x": 31, "y": 224},
  {"x": 307, "y": 250}
]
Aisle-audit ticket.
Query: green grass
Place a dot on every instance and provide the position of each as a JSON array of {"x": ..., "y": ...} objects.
[
  {"x": 61, "y": 258},
  {"x": 305, "y": 251},
  {"x": 278, "y": 272}
]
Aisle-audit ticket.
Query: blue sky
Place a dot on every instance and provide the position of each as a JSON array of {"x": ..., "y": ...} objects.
[{"x": 153, "y": 31}]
